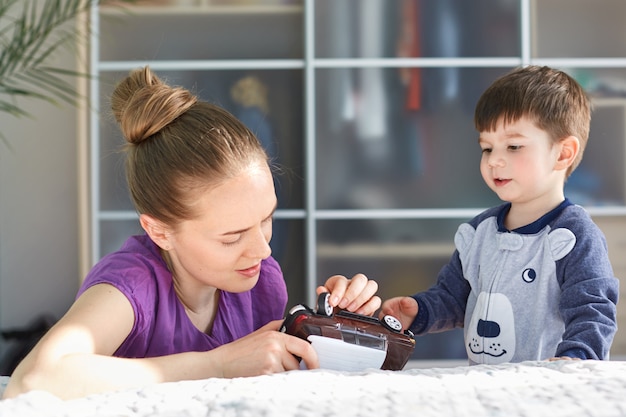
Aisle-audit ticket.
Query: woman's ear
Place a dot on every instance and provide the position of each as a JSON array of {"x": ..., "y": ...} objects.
[
  {"x": 570, "y": 146},
  {"x": 157, "y": 230}
]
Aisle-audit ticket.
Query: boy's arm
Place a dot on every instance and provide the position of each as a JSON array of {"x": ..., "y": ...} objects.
[
  {"x": 442, "y": 307},
  {"x": 589, "y": 293}
]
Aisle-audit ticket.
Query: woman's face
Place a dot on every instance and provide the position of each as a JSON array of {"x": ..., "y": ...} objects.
[{"x": 224, "y": 245}]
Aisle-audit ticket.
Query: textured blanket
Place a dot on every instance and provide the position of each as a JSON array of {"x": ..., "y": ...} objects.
[{"x": 564, "y": 388}]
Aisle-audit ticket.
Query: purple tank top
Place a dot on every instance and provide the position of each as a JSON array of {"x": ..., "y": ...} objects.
[{"x": 161, "y": 325}]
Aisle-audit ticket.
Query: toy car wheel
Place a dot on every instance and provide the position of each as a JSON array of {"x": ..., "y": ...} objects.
[
  {"x": 323, "y": 305},
  {"x": 392, "y": 323}
]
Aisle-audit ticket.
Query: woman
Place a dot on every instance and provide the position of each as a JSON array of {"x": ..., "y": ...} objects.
[{"x": 199, "y": 294}]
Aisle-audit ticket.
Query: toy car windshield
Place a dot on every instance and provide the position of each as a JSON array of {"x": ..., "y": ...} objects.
[{"x": 348, "y": 341}]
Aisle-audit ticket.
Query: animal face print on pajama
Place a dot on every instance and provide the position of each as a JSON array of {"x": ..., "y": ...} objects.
[
  {"x": 491, "y": 332},
  {"x": 512, "y": 312}
]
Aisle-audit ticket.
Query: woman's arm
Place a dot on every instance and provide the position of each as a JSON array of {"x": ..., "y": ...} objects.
[
  {"x": 77, "y": 347},
  {"x": 74, "y": 358}
]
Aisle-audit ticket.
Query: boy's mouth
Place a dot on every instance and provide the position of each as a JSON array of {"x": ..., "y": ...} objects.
[{"x": 499, "y": 182}]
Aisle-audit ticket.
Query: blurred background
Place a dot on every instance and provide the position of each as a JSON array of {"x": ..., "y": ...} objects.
[{"x": 366, "y": 107}]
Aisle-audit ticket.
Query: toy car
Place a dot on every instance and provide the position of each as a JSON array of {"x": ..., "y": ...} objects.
[{"x": 347, "y": 341}]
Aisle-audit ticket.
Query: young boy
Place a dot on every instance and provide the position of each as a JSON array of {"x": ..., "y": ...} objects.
[{"x": 531, "y": 278}]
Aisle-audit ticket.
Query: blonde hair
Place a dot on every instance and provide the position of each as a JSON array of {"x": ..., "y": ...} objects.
[{"x": 177, "y": 144}]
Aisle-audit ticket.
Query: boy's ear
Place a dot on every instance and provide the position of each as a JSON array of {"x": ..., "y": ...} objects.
[
  {"x": 570, "y": 146},
  {"x": 157, "y": 230}
]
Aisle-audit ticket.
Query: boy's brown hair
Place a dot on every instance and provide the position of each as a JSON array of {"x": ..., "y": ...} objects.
[{"x": 550, "y": 98}]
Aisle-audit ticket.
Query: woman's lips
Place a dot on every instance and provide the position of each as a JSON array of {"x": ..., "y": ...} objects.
[{"x": 250, "y": 272}]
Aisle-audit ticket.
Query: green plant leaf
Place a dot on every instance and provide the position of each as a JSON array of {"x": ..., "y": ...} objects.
[{"x": 31, "y": 33}]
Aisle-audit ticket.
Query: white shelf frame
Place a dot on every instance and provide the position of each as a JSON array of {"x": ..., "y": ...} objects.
[{"x": 310, "y": 214}]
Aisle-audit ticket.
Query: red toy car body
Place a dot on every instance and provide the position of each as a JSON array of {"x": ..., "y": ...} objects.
[{"x": 350, "y": 341}]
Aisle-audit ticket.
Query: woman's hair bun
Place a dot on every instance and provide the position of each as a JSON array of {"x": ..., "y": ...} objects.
[{"x": 143, "y": 105}]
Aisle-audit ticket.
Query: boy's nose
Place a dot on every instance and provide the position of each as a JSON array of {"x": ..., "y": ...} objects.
[{"x": 495, "y": 160}]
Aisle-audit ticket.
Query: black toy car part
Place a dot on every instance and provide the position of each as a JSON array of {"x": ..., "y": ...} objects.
[{"x": 347, "y": 341}]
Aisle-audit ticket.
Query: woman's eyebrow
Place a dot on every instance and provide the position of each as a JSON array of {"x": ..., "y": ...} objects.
[{"x": 236, "y": 232}]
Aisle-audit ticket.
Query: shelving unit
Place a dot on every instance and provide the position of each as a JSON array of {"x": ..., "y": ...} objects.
[{"x": 373, "y": 185}]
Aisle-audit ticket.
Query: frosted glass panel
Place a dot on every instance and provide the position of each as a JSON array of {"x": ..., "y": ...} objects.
[
  {"x": 113, "y": 233},
  {"x": 600, "y": 180},
  {"x": 113, "y": 192},
  {"x": 288, "y": 249},
  {"x": 579, "y": 28},
  {"x": 279, "y": 129},
  {"x": 380, "y": 145},
  {"x": 209, "y": 32},
  {"x": 432, "y": 28},
  {"x": 403, "y": 256}
]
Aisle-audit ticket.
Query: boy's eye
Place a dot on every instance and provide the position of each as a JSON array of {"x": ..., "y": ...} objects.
[
  {"x": 515, "y": 147},
  {"x": 486, "y": 150}
]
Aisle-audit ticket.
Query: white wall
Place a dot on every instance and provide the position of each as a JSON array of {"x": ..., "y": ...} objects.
[{"x": 38, "y": 213}]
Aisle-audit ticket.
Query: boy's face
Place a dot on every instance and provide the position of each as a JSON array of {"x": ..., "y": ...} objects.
[{"x": 518, "y": 164}]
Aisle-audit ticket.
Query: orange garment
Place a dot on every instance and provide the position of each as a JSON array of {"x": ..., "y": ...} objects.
[{"x": 409, "y": 46}]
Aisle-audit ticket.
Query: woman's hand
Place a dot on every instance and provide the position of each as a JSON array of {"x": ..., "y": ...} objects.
[
  {"x": 356, "y": 294},
  {"x": 265, "y": 351},
  {"x": 402, "y": 308}
]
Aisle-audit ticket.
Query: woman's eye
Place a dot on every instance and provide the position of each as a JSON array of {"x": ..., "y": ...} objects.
[{"x": 232, "y": 242}]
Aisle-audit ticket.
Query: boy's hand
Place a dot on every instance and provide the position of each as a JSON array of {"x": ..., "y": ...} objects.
[
  {"x": 402, "y": 308},
  {"x": 356, "y": 294}
]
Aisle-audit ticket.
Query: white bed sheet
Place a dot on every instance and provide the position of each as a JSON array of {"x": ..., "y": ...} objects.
[{"x": 563, "y": 388}]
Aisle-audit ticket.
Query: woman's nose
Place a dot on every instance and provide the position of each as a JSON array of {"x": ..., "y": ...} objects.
[{"x": 260, "y": 246}]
